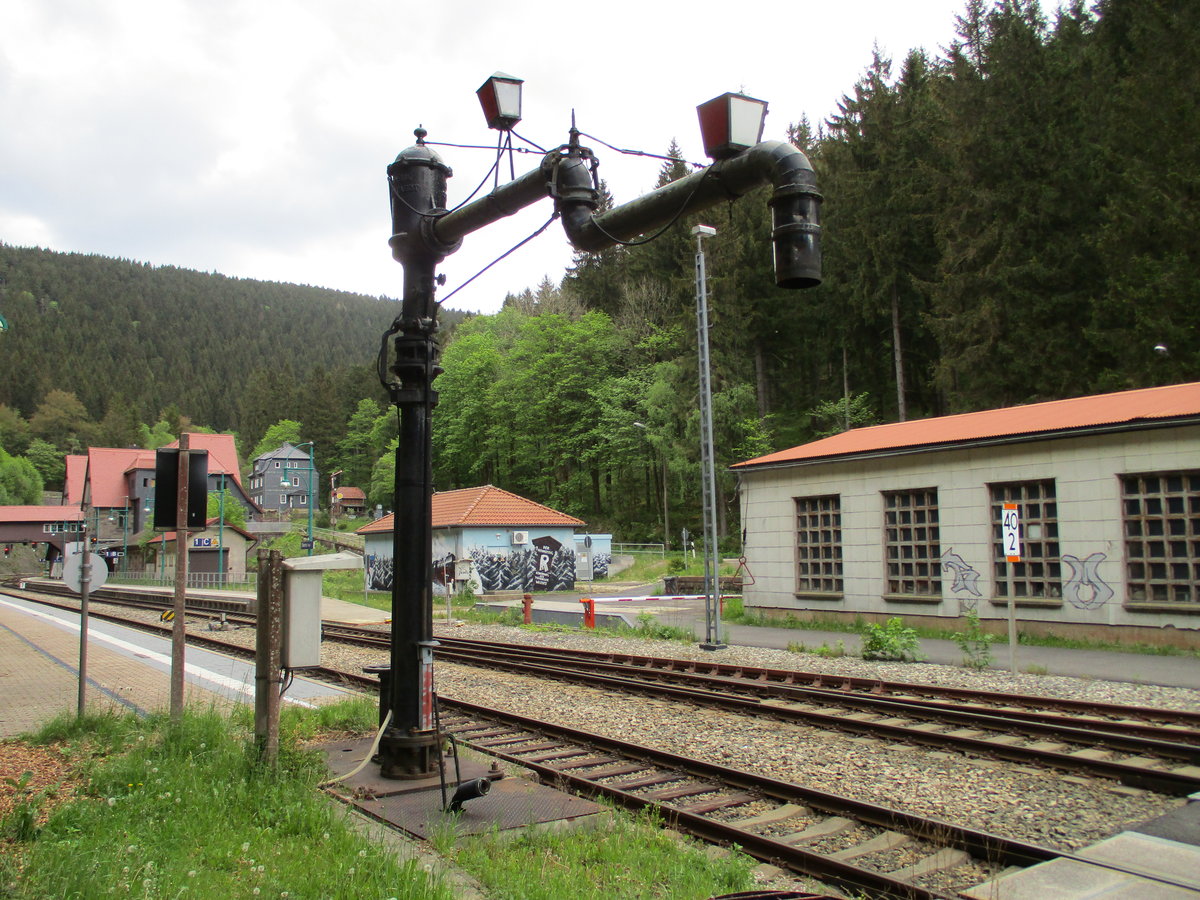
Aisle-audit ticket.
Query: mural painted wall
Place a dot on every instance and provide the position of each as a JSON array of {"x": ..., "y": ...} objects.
[{"x": 489, "y": 561}]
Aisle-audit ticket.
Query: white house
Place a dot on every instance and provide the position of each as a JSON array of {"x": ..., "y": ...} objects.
[
  {"x": 495, "y": 541},
  {"x": 907, "y": 519}
]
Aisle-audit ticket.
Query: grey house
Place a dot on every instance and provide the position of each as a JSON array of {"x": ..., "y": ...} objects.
[{"x": 285, "y": 479}]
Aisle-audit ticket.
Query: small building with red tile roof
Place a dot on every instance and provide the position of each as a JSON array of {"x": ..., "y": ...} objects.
[
  {"x": 347, "y": 501},
  {"x": 490, "y": 537},
  {"x": 217, "y": 555},
  {"x": 1083, "y": 513},
  {"x": 37, "y": 525},
  {"x": 119, "y": 481}
]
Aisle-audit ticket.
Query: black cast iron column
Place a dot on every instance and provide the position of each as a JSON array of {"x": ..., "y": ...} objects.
[{"x": 409, "y": 746}]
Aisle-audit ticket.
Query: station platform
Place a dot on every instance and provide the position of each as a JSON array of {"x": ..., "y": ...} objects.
[{"x": 127, "y": 669}]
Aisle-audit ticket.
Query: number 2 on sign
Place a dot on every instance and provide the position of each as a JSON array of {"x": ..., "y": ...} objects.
[{"x": 1012, "y": 533}]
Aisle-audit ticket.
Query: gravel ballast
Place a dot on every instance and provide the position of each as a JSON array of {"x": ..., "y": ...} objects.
[{"x": 1041, "y": 806}]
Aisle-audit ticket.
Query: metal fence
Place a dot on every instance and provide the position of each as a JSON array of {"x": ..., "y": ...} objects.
[
  {"x": 659, "y": 549},
  {"x": 209, "y": 580}
]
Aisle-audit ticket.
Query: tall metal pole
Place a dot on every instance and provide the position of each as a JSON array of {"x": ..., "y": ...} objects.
[
  {"x": 178, "y": 635},
  {"x": 85, "y": 578},
  {"x": 221, "y": 532},
  {"x": 312, "y": 450},
  {"x": 708, "y": 472},
  {"x": 409, "y": 745}
]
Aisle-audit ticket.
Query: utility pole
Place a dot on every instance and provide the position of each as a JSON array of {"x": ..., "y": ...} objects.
[
  {"x": 179, "y": 607},
  {"x": 708, "y": 469}
]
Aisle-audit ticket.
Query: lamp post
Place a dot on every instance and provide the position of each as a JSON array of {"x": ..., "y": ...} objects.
[
  {"x": 424, "y": 232},
  {"x": 312, "y": 450},
  {"x": 708, "y": 470}
]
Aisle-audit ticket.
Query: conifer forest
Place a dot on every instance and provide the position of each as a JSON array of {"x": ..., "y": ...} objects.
[{"x": 1012, "y": 218}]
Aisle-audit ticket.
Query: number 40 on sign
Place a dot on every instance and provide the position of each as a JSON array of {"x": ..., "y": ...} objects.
[{"x": 1012, "y": 533}]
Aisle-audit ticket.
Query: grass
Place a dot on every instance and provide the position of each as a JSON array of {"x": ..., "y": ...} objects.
[
  {"x": 632, "y": 857},
  {"x": 736, "y": 614},
  {"x": 187, "y": 811},
  {"x": 164, "y": 811}
]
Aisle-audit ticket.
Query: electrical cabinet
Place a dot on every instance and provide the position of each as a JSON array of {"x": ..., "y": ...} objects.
[{"x": 302, "y": 606}]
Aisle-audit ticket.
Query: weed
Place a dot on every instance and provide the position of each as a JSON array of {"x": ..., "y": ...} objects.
[
  {"x": 21, "y": 823},
  {"x": 890, "y": 641},
  {"x": 975, "y": 643},
  {"x": 1035, "y": 669}
]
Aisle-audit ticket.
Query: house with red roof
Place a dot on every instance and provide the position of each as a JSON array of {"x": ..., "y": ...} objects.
[
  {"x": 119, "y": 481},
  {"x": 495, "y": 541},
  {"x": 347, "y": 501},
  {"x": 217, "y": 555},
  {"x": 1083, "y": 513}
]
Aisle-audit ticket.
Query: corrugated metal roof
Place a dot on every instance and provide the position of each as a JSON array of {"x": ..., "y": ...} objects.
[
  {"x": 1126, "y": 407},
  {"x": 484, "y": 506}
]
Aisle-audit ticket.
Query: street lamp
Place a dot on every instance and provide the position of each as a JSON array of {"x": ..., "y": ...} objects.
[
  {"x": 312, "y": 450},
  {"x": 500, "y": 97},
  {"x": 708, "y": 470},
  {"x": 424, "y": 232}
]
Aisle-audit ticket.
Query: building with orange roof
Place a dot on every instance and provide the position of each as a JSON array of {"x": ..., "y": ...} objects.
[
  {"x": 496, "y": 541},
  {"x": 1083, "y": 513},
  {"x": 119, "y": 483}
]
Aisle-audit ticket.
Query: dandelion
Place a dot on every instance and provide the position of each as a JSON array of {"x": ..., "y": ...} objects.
[
  {"x": 245, "y": 846},
  {"x": 125, "y": 870},
  {"x": 325, "y": 836},
  {"x": 112, "y": 801},
  {"x": 141, "y": 737},
  {"x": 351, "y": 872},
  {"x": 362, "y": 853},
  {"x": 176, "y": 799},
  {"x": 191, "y": 873},
  {"x": 256, "y": 892},
  {"x": 203, "y": 745},
  {"x": 131, "y": 848}
]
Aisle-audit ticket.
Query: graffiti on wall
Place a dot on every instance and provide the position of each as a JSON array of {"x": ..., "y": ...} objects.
[
  {"x": 600, "y": 564},
  {"x": 965, "y": 577},
  {"x": 379, "y": 572},
  {"x": 1085, "y": 589},
  {"x": 544, "y": 568}
]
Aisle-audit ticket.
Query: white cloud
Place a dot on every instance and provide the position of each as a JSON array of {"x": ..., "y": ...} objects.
[{"x": 252, "y": 138}]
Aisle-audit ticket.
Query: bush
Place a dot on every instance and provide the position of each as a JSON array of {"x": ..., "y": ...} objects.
[
  {"x": 975, "y": 643},
  {"x": 891, "y": 641}
]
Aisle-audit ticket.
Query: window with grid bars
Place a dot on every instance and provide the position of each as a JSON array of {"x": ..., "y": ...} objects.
[
  {"x": 1039, "y": 573},
  {"x": 1161, "y": 516},
  {"x": 819, "y": 545},
  {"x": 913, "y": 549}
]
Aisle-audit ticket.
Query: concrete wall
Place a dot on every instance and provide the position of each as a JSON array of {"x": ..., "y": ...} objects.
[{"x": 1086, "y": 472}]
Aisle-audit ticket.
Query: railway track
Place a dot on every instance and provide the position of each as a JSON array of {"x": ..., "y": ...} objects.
[
  {"x": 868, "y": 849},
  {"x": 1155, "y": 750},
  {"x": 864, "y": 848}
]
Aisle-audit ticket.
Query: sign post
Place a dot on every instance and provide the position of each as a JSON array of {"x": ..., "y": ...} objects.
[{"x": 1011, "y": 536}]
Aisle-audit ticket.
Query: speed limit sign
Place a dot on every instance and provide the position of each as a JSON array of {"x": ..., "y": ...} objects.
[{"x": 1012, "y": 533}]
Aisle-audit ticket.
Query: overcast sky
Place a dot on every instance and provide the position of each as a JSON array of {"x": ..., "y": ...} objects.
[{"x": 250, "y": 137}]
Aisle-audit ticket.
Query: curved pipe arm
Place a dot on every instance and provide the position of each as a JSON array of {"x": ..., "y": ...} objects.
[
  {"x": 795, "y": 205},
  {"x": 566, "y": 175}
]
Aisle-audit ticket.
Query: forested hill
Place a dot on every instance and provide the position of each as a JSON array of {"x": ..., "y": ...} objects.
[{"x": 144, "y": 337}]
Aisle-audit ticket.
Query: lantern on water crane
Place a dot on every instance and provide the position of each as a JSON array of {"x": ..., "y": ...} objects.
[
  {"x": 730, "y": 124},
  {"x": 500, "y": 97}
]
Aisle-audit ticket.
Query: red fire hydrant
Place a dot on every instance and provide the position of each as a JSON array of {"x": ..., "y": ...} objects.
[
  {"x": 527, "y": 604},
  {"x": 589, "y": 612}
]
